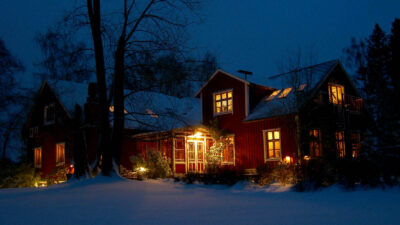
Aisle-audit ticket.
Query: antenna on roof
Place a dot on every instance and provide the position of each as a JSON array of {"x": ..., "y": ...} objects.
[{"x": 245, "y": 73}]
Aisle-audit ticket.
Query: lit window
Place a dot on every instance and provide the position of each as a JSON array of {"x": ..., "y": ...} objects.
[
  {"x": 315, "y": 143},
  {"x": 228, "y": 154},
  {"x": 340, "y": 146},
  {"x": 285, "y": 92},
  {"x": 272, "y": 144},
  {"x": 37, "y": 152},
  {"x": 180, "y": 150},
  {"x": 302, "y": 87},
  {"x": 60, "y": 154},
  {"x": 223, "y": 102},
  {"x": 49, "y": 113},
  {"x": 272, "y": 96},
  {"x": 355, "y": 144},
  {"x": 151, "y": 113},
  {"x": 336, "y": 94}
]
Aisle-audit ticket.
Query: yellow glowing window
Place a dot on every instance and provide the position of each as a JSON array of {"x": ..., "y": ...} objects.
[
  {"x": 285, "y": 92},
  {"x": 355, "y": 144},
  {"x": 336, "y": 94},
  {"x": 340, "y": 144},
  {"x": 223, "y": 102},
  {"x": 37, "y": 157},
  {"x": 273, "y": 144},
  {"x": 315, "y": 143},
  {"x": 60, "y": 154},
  {"x": 272, "y": 96},
  {"x": 228, "y": 154}
]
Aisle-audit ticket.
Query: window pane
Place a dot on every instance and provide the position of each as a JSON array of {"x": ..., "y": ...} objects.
[
  {"x": 217, "y": 97},
  {"x": 191, "y": 151},
  {"x": 285, "y": 92},
  {"x": 277, "y": 145},
  {"x": 230, "y": 94},
  {"x": 218, "y": 109},
  {"x": 223, "y": 95},
  {"x": 271, "y": 153},
  {"x": 276, "y": 134},
  {"x": 200, "y": 151},
  {"x": 180, "y": 155},
  {"x": 218, "y": 104},
  {"x": 272, "y": 96},
  {"x": 60, "y": 153},
  {"x": 270, "y": 137},
  {"x": 224, "y": 103}
]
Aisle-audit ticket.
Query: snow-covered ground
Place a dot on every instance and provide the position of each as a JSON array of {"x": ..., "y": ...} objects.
[{"x": 116, "y": 201}]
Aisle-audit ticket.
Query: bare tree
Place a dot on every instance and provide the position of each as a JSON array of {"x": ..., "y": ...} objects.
[
  {"x": 151, "y": 26},
  {"x": 11, "y": 98}
]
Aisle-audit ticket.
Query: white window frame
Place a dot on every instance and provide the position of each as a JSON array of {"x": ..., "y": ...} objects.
[
  {"x": 60, "y": 163},
  {"x": 234, "y": 152},
  {"x": 41, "y": 157},
  {"x": 45, "y": 122},
  {"x": 265, "y": 132},
  {"x": 213, "y": 101}
]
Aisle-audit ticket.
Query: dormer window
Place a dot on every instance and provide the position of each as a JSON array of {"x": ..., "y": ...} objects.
[
  {"x": 285, "y": 92},
  {"x": 272, "y": 96},
  {"x": 336, "y": 94},
  {"x": 49, "y": 114},
  {"x": 223, "y": 102}
]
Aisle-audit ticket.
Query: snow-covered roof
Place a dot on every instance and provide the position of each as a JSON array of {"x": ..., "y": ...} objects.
[
  {"x": 309, "y": 77},
  {"x": 69, "y": 93},
  {"x": 159, "y": 112}
]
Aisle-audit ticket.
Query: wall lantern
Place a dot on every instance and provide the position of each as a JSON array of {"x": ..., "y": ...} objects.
[{"x": 288, "y": 159}]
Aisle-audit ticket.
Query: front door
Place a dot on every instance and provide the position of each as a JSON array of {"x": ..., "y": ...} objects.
[{"x": 195, "y": 156}]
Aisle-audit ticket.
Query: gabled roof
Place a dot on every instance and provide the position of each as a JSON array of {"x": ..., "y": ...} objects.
[
  {"x": 215, "y": 74},
  {"x": 314, "y": 76},
  {"x": 68, "y": 93},
  {"x": 159, "y": 112}
]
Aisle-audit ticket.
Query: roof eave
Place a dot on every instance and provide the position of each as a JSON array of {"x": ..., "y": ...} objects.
[{"x": 212, "y": 77}]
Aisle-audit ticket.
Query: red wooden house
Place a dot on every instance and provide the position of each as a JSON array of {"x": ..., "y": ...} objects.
[{"x": 283, "y": 118}]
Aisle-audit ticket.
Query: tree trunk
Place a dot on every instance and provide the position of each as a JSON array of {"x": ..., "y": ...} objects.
[
  {"x": 118, "y": 128},
  {"x": 104, "y": 151},
  {"x": 80, "y": 147}
]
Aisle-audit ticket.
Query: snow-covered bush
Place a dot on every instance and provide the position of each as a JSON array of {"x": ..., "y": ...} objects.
[
  {"x": 13, "y": 175},
  {"x": 282, "y": 173},
  {"x": 57, "y": 175},
  {"x": 314, "y": 174},
  {"x": 151, "y": 165}
]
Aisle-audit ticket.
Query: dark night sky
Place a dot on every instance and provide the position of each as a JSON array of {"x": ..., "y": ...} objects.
[{"x": 254, "y": 35}]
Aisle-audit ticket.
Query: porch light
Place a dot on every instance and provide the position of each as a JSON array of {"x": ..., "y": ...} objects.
[
  {"x": 288, "y": 159},
  {"x": 142, "y": 169},
  {"x": 41, "y": 183},
  {"x": 306, "y": 157},
  {"x": 198, "y": 134}
]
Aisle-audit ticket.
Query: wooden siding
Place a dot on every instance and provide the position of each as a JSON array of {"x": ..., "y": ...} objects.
[{"x": 219, "y": 83}]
